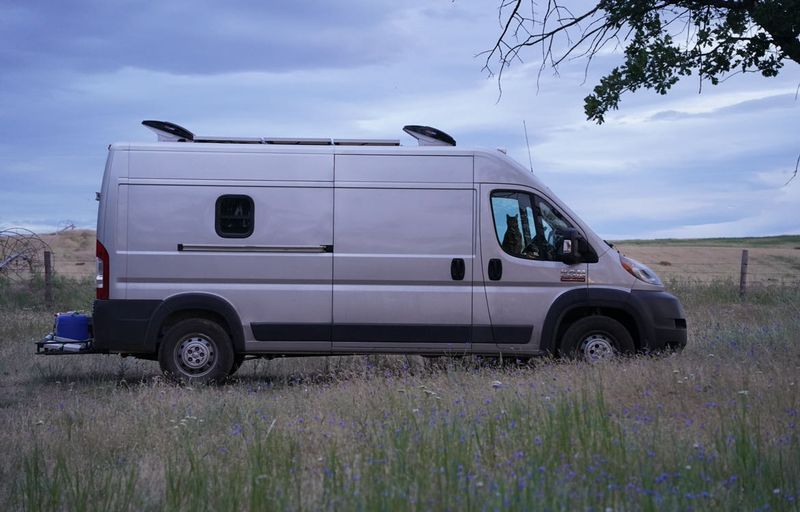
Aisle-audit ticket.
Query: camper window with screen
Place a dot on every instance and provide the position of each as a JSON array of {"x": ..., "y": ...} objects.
[
  {"x": 234, "y": 216},
  {"x": 526, "y": 225}
]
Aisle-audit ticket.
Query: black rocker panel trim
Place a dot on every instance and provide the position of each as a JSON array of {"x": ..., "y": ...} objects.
[
  {"x": 291, "y": 332},
  {"x": 394, "y": 333},
  {"x": 377, "y": 333},
  {"x": 403, "y": 333},
  {"x": 516, "y": 334}
]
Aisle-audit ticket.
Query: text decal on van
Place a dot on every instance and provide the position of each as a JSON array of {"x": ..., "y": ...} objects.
[{"x": 569, "y": 275}]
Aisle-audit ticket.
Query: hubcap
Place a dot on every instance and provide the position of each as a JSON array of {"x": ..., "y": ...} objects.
[
  {"x": 195, "y": 354},
  {"x": 597, "y": 347}
]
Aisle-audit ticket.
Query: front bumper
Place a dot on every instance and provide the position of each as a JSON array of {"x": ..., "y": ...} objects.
[{"x": 665, "y": 319}]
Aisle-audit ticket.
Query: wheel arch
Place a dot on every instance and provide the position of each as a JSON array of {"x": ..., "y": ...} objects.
[
  {"x": 576, "y": 304},
  {"x": 196, "y": 305}
]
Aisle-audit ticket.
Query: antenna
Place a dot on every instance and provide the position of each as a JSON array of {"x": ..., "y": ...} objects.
[{"x": 530, "y": 159}]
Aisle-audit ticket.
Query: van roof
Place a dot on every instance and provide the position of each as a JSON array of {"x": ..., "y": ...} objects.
[{"x": 171, "y": 132}]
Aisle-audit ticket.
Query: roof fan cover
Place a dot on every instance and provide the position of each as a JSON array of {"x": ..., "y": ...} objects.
[
  {"x": 169, "y": 132},
  {"x": 429, "y": 136}
]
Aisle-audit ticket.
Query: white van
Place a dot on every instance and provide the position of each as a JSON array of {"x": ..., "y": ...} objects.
[{"x": 214, "y": 249}]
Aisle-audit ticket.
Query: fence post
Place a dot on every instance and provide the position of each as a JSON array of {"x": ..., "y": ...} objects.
[
  {"x": 48, "y": 279},
  {"x": 743, "y": 274}
]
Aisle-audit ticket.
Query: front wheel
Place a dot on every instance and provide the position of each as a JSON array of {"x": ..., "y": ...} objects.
[
  {"x": 196, "y": 351},
  {"x": 596, "y": 338}
]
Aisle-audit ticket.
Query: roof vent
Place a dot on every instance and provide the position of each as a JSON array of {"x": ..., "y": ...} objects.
[
  {"x": 169, "y": 132},
  {"x": 429, "y": 136}
]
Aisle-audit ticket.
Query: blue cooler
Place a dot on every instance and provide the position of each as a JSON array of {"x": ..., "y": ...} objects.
[{"x": 72, "y": 326}]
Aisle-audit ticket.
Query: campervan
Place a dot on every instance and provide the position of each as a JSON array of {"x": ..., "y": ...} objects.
[{"x": 213, "y": 250}]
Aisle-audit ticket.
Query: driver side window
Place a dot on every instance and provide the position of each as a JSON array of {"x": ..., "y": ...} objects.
[{"x": 527, "y": 226}]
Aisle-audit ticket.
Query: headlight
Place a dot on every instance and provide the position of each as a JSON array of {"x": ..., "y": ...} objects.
[{"x": 640, "y": 271}]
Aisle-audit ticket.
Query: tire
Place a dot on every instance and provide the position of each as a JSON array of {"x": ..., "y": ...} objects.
[
  {"x": 596, "y": 338},
  {"x": 196, "y": 351}
]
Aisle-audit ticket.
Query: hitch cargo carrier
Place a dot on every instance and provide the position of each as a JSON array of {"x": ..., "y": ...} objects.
[{"x": 72, "y": 334}]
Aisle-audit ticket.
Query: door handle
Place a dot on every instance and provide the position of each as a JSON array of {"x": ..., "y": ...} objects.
[
  {"x": 495, "y": 269},
  {"x": 457, "y": 269}
]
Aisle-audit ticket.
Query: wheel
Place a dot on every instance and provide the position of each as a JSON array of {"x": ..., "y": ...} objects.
[
  {"x": 196, "y": 351},
  {"x": 596, "y": 338}
]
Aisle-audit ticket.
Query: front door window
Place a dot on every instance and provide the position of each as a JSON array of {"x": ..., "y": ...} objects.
[{"x": 527, "y": 226}]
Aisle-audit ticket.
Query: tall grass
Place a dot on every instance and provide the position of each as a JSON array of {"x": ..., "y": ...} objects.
[
  {"x": 30, "y": 294},
  {"x": 711, "y": 428}
]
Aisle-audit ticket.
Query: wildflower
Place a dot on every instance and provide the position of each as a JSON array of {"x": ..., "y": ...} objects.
[
  {"x": 497, "y": 384},
  {"x": 743, "y": 392}
]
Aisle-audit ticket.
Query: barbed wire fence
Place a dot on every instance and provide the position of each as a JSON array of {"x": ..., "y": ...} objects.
[{"x": 748, "y": 272}]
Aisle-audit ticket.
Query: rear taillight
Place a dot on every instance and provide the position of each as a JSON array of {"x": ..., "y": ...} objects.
[{"x": 101, "y": 279}]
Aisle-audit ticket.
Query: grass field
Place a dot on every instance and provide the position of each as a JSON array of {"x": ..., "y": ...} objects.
[{"x": 713, "y": 427}]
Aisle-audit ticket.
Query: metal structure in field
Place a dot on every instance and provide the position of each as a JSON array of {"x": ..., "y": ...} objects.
[{"x": 21, "y": 254}]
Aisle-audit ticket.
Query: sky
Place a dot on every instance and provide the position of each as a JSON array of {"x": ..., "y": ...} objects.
[{"x": 79, "y": 75}]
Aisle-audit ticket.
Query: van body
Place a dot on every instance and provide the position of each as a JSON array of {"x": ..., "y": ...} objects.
[{"x": 210, "y": 252}]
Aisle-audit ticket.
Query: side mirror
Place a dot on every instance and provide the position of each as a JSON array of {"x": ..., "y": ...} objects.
[{"x": 570, "y": 247}]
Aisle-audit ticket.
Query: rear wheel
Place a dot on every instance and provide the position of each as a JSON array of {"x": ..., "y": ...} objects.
[
  {"x": 596, "y": 338},
  {"x": 196, "y": 351}
]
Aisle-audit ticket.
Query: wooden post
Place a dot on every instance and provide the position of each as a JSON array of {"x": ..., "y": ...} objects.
[
  {"x": 48, "y": 279},
  {"x": 743, "y": 274}
]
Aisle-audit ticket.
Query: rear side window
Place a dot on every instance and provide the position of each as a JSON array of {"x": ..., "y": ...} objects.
[{"x": 235, "y": 216}]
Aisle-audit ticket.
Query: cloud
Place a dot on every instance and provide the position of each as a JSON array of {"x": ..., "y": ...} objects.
[{"x": 198, "y": 36}]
